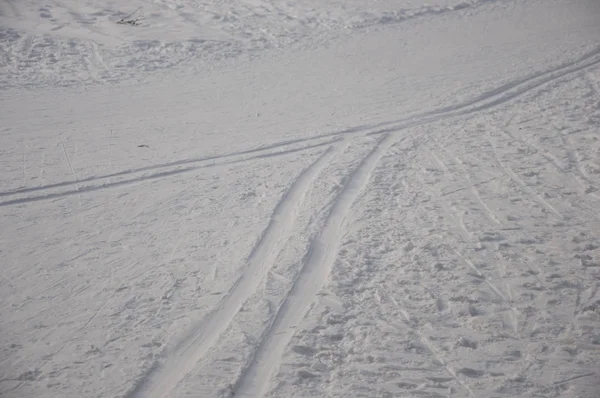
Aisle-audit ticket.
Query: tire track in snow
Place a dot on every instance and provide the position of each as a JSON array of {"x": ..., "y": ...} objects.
[
  {"x": 165, "y": 375},
  {"x": 311, "y": 278}
]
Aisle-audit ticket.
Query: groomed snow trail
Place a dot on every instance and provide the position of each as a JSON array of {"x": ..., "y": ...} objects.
[
  {"x": 178, "y": 363},
  {"x": 322, "y": 253},
  {"x": 310, "y": 280},
  {"x": 266, "y": 199}
]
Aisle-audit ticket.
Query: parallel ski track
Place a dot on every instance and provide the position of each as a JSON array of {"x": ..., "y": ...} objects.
[
  {"x": 313, "y": 275},
  {"x": 163, "y": 377},
  {"x": 486, "y": 101},
  {"x": 91, "y": 185},
  {"x": 310, "y": 280}
]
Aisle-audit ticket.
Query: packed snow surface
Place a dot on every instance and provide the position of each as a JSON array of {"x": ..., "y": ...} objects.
[{"x": 315, "y": 198}]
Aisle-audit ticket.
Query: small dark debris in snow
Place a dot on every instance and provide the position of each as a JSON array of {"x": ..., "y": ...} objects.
[
  {"x": 30, "y": 375},
  {"x": 305, "y": 374},
  {"x": 93, "y": 350},
  {"x": 407, "y": 386},
  {"x": 591, "y": 307},
  {"x": 587, "y": 260},
  {"x": 143, "y": 146},
  {"x": 304, "y": 350},
  {"x": 464, "y": 342},
  {"x": 132, "y": 22},
  {"x": 471, "y": 372},
  {"x": 439, "y": 379}
]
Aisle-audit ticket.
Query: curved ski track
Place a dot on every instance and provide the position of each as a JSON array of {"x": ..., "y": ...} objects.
[
  {"x": 488, "y": 100},
  {"x": 310, "y": 280},
  {"x": 163, "y": 377}
]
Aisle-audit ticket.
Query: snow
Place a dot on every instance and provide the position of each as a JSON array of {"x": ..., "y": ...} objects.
[{"x": 312, "y": 199}]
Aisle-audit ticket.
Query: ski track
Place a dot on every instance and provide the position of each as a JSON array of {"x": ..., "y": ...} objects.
[
  {"x": 310, "y": 280},
  {"x": 523, "y": 186},
  {"x": 566, "y": 171},
  {"x": 79, "y": 189},
  {"x": 485, "y": 101},
  {"x": 411, "y": 323},
  {"x": 490, "y": 213},
  {"x": 214, "y": 159},
  {"x": 179, "y": 361},
  {"x": 507, "y": 300},
  {"x": 163, "y": 377}
]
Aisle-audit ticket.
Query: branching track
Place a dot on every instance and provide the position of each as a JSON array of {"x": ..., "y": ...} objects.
[{"x": 163, "y": 378}]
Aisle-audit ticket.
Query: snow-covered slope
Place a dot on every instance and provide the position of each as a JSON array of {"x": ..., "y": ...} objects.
[
  {"x": 68, "y": 43},
  {"x": 310, "y": 199}
]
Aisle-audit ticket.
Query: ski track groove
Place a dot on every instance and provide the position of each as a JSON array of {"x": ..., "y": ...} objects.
[
  {"x": 458, "y": 224},
  {"x": 206, "y": 159},
  {"x": 488, "y": 100},
  {"x": 552, "y": 159},
  {"x": 491, "y": 215},
  {"x": 314, "y": 273},
  {"x": 419, "y": 334},
  {"x": 524, "y": 187},
  {"x": 455, "y": 218},
  {"x": 80, "y": 189},
  {"x": 494, "y": 288},
  {"x": 164, "y": 377},
  {"x": 576, "y": 158},
  {"x": 515, "y": 313},
  {"x": 439, "y": 161}
]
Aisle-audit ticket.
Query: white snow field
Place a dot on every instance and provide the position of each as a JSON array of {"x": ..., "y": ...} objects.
[{"x": 312, "y": 198}]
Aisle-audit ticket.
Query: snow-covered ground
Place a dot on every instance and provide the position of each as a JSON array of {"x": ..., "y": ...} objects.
[{"x": 316, "y": 198}]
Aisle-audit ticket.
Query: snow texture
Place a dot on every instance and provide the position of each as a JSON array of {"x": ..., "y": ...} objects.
[{"x": 266, "y": 198}]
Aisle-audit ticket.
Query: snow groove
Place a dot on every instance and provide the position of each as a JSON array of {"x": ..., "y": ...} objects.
[
  {"x": 164, "y": 377},
  {"x": 494, "y": 97},
  {"x": 414, "y": 325},
  {"x": 490, "y": 213},
  {"x": 485, "y": 101},
  {"x": 93, "y": 186},
  {"x": 524, "y": 187},
  {"x": 310, "y": 280}
]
